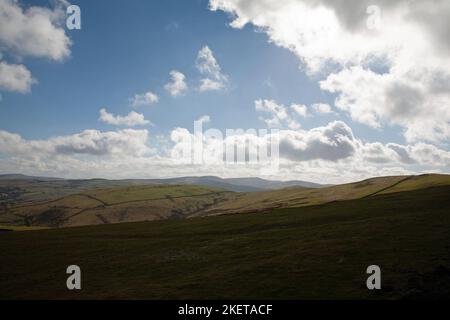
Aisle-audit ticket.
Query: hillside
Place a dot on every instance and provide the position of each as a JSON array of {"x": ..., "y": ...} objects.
[
  {"x": 113, "y": 205},
  {"x": 301, "y": 197},
  {"x": 102, "y": 202},
  {"x": 22, "y": 188},
  {"x": 315, "y": 252}
]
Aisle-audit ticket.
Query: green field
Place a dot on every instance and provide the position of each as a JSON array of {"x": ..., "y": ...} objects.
[{"x": 309, "y": 252}]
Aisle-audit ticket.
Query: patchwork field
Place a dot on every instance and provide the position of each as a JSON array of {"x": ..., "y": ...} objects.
[{"x": 113, "y": 205}]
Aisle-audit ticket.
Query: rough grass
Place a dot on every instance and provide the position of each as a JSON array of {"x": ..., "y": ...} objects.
[
  {"x": 420, "y": 182},
  {"x": 317, "y": 252}
]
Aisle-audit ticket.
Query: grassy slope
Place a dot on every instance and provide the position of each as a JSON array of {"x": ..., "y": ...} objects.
[
  {"x": 299, "y": 197},
  {"x": 112, "y": 205},
  {"x": 34, "y": 190},
  {"x": 309, "y": 252}
]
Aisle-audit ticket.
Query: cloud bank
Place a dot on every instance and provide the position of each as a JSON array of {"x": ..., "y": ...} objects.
[
  {"x": 335, "y": 40},
  {"x": 34, "y": 31}
]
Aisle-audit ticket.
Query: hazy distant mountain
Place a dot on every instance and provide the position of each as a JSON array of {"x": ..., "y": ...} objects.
[
  {"x": 15, "y": 176},
  {"x": 208, "y": 181},
  {"x": 233, "y": 184},
  {"x": 272, "y": 185}
]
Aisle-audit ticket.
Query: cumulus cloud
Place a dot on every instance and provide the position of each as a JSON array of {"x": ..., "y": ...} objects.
[
  {"x": 15, "y": 77},
  {"x": 144, "y": 99},
  {"x": 327, "y": 154},
  {"x": 132, "y": 119},
  {"x": 332, "y": 143},
  {"x": 126, "y": 142},
  {"x": 373, "y": 98},
  {"x": 332, "y": 38},
  {"x": 208, "y": 66},
  {"x": 300, "y": 109},
  {"x": 328, "y": 146},
  {"x": 279, "y": 116},
  {"x": 377, "y": 153},
  {"x": 421, "y": 153},
  {"x": 322, "y": 108},
  {"x": 210, "y": 85},
  {"x": 88, "y": 154},
  {"x": 177, "y": 85},
  {"x": 34, "y": 31}
]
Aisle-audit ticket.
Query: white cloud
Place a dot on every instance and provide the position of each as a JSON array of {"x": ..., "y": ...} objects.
[
  {"x": 177, "y": 86},
  {"x": 34, "y": 31},
  {"x": 331, "y": 147},
  {"x": 208, "y": 66},
  {"x": 279, "y": 115},
  {"x": 322, "y": 108},
  {"x": 300, "y": 109},
  {"x": 15, "y": 77},
  {"x": 328, "y": 154},
  {"x": 132, "y": 119},
  {"x": 120, "y": 143},
  {"x": 278, "y": 112},
  {"x": 144, "y": 99},
  {"x": 272, "y": 107},
  {"x": 409, "y": 100},
  {"x": 421, "y": 153},
  {"x": 331, "y": 38},
  {"x": 210, "y": 85},
  {"x": 331, "y": 143}
]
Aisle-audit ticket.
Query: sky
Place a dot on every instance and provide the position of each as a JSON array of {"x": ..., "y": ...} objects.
[{"x": 354, "y": 90}]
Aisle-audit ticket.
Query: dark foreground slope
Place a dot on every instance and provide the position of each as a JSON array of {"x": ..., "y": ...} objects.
[{"x": 310, "y": 252}]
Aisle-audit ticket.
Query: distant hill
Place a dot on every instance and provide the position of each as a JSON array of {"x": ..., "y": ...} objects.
[
  {"x": 263, "y": 184},
  {"x": 15, "y": 176},
  {"x": 114, "y": 205},
  {"x": 63, "y": 203},
  {"x": 233, "y": 184}
]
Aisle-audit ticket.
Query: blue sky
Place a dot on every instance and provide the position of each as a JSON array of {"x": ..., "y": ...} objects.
[
  {"x": 129, "y": 48},
  {"x": 125, "y": 49}
]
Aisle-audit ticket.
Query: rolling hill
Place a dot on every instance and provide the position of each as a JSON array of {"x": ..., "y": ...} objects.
[
  {"x": 48, "y": 186},
  {"x": 301, "y": 197},
  {"x": 310, "y": 252},
  {"x": 114, "y": 205},
  {"x": 102, "y": 202}
]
